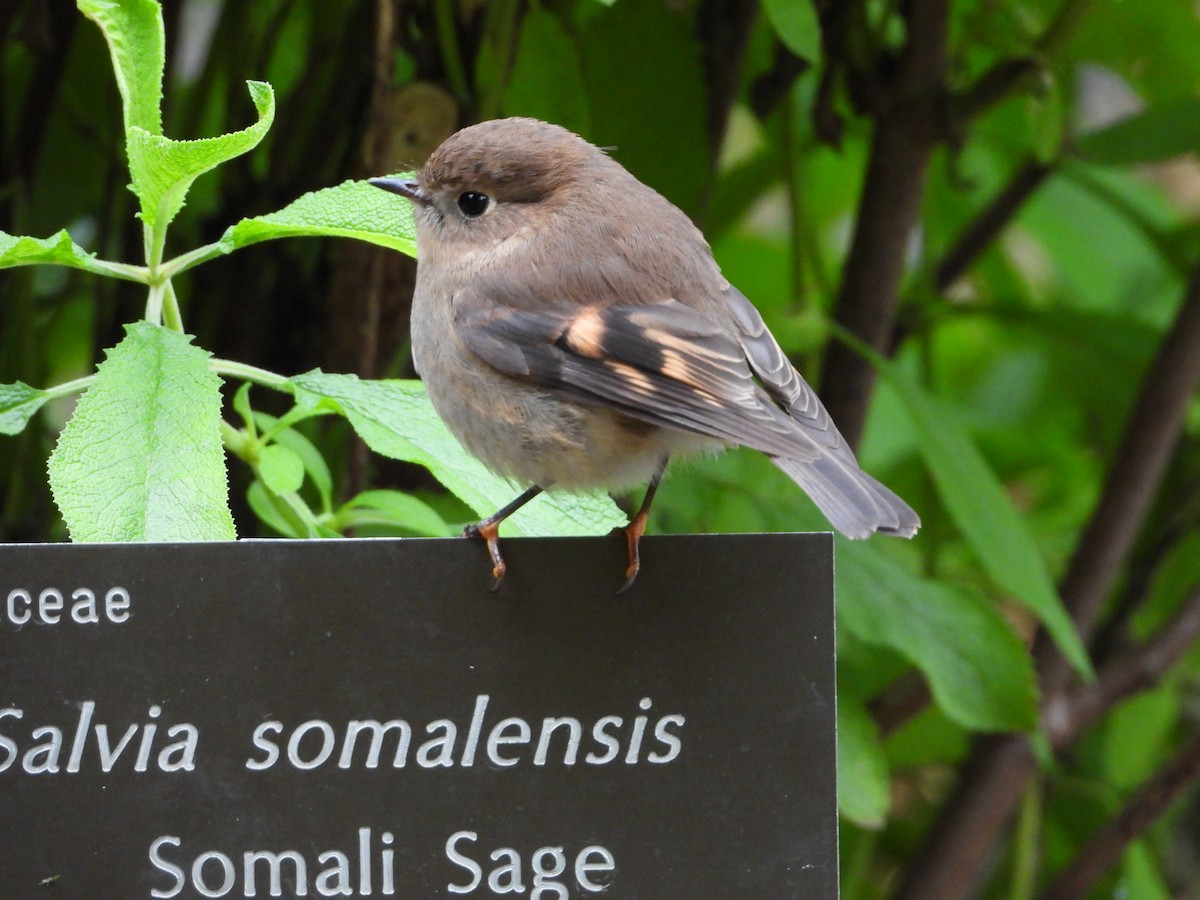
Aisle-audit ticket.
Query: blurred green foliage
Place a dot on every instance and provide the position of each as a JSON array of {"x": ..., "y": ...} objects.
[{"x": 1008, "y": 390}]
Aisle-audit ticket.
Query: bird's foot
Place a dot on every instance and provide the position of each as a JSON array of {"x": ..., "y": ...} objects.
[
  {"x": 489, "y": 532},
  {"x": 633, "y": 535}
]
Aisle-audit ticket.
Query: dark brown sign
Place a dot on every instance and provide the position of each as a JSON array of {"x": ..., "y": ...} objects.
[{"x": 364, "y": 719}]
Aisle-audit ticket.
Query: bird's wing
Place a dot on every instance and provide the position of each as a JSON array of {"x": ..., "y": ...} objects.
[
  {"x": 780, "y": 378},
  {"x": 661, "y": 363},
  {"x": 854, "y": 502}
]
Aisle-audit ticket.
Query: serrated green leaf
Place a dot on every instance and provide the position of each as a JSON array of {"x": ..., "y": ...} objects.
[
  {"x": 397, "y": 420},
  {"x": 163, "y": 169},
  {"x": 353, "y": 209},
  {"x": 1153, "y": 135},
  {"x": 281, "y": 470},
  {"x": 978, "y": 670},
  {"x": 795, "y": 23},
  {"x": 56, "y": 250},
  {"x": 141, "y": 458},
  {"x": 18, "y": 403},
  {"x": 863, "y": 783},
  {"x": 976, "y": 501},
  {"x": 134, "y": 32}
]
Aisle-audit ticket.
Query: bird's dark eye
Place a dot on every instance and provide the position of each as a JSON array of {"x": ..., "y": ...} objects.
[{"x": 473, "y": 203}]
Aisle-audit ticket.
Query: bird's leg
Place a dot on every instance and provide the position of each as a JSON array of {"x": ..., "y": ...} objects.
[
  {"x": 637, "y": 527},
  {"x": 489, "y": 530}
]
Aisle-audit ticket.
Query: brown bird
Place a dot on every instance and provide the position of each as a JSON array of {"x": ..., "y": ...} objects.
[{"x": 574, "y": 331}]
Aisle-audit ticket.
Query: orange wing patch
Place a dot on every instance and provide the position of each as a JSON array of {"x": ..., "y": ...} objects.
[{"x": 585, "y": 334}]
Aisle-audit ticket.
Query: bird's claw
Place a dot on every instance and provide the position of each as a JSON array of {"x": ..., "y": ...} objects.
[{"x": 489, "y": 532}]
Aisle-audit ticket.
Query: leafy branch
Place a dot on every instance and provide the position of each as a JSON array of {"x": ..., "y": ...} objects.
[
  {"x": 961, "y": 839},
  {"x": 142, "y": 457}
]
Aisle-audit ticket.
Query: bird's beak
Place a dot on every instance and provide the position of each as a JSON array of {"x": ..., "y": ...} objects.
[{"x": 405, "y": 187}]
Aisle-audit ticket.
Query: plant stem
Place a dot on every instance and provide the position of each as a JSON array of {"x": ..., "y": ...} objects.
[
  {"x": 302, "y": 511},
  {"x": 238, "y": 443},
  {"x": 148, "y": 248},
  {"x": 247, "y": 372},
  {"x": 185, "y": 261},
  {"x": 982, "y": 231},
  {"x": 139, "y": 274},
  {"x": 171, "y": 317},
  {"x": 907, "y": 130},
  {"x": 234, "y": 441},
  {"x": 154, "y": 303},
  {"x": 1025, "y": 849},
  {"x": 70, "y": 387},
  {"x": 156, "y": 242}
]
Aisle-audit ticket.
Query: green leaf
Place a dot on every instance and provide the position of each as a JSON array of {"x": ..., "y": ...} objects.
[
  {"x": 273, "y": 511},
  {"x": 18, "y": 403},
  {"x": 141, "y": 458},
  {"x": 1153, "y": 135},
  {"x": 163, "y": 169},
  {"x": 1137, "y": 736},
  {"x": 928, "y": 738},
  {"x": 1048, "y": 116},
  {"x": 547, "y": 81},
  {"x": 863, "y": 784},
  {"x": 1141, "y": 876},
  {"x": 1150, "y": 45},
  {"x": 353, "y": 209},
  {"x": 978, "y": 669},
  {"x": 56, "y": 250},
  {"x": 976, "y": 501},
  {"x": 134, "y": 32},
  {"x": 1116, "y": 208},
  {"x": 310, "y": 457},
  {"x": 241, "y": 403},
  {"x": 395, "y": 509},
  {"x": 281, "y": 470},
  {"x": 644, "y": 71},
  {"x": 796, "y": 24},
  {"x": 397, "y": 420}
]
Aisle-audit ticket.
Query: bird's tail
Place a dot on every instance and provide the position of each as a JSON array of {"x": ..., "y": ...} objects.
[{"x": 856, "y": 504}]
